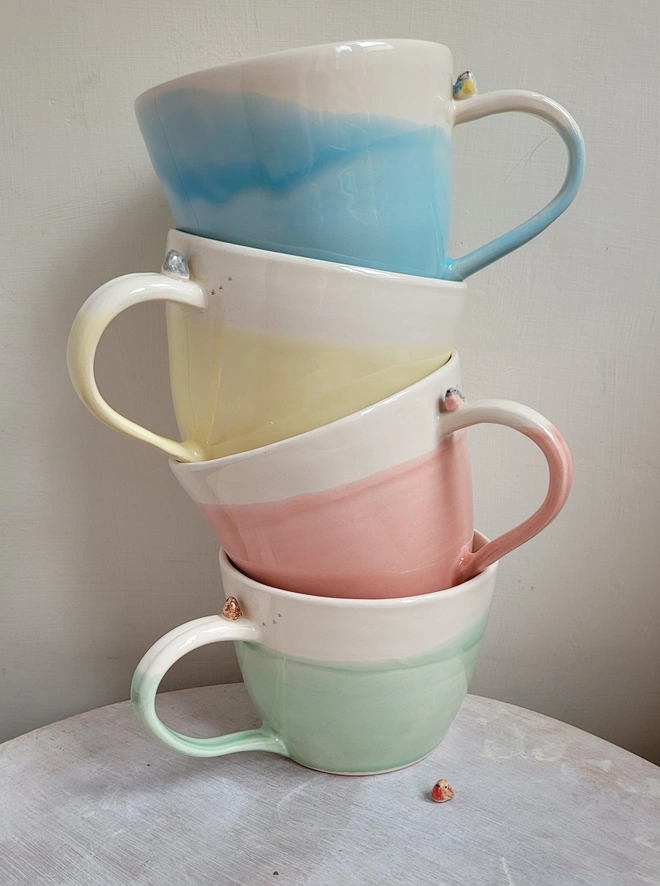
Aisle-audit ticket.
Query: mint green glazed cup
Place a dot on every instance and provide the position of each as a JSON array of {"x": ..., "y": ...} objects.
[{"x": 347, "y": 686}]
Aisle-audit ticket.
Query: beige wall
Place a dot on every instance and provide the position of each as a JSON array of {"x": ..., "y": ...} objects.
[{"x": 102, "y": 552}]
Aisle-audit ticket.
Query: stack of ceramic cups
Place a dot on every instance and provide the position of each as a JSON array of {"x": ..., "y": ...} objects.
[{"x": 311, "y": 313}]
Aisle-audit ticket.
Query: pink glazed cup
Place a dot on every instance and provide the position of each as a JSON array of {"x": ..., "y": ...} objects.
[{"x": 374, "y": 505}]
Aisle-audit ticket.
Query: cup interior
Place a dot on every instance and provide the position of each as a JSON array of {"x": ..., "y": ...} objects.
[{"x": 478, "y": 542}]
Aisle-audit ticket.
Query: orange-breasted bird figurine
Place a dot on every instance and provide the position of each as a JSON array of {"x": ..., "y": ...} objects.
[{"x": 442, "y": 791}]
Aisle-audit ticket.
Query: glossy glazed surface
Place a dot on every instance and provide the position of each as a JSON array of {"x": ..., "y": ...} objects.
[
  {"x": 360, "y": 718},
  {"x": 339, "y": 152},
  {"x": 347, "y": 686},
  {"x": 398, "y": 532},
  {"x": 276, "y": 175},
  {"x": 288, "y": 344},
  {"x": 236, "y": 389},
  {"x": 374, "y": 505},
  {"x": 264, "y": 346}
]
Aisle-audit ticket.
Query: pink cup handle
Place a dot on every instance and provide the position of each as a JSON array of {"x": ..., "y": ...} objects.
[{"x": 457, "y": 415}]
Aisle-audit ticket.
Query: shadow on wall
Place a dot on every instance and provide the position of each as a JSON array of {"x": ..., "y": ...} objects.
[{"x": 142, "y": 559}]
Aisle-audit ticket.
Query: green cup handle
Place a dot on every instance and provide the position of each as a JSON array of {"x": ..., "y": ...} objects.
[{"x": 160, "y": 658}]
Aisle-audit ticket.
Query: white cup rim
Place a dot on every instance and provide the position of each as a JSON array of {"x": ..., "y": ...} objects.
[
  {"x": 465, "y": 587},
  {"x": 282, "y": 54},
  {"x": 329, "y": 267}
]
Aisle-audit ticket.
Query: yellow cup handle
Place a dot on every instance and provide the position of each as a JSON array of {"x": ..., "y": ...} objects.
[{"x": 172, "y": 284}]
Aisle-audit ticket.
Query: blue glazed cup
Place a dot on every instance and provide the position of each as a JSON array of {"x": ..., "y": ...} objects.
[{"x": 339, "y": 152}]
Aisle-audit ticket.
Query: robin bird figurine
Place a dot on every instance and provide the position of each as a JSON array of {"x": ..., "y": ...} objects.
[{"x": 442, "y": 791}]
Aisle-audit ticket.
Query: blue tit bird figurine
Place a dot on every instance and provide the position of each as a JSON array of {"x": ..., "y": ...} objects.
[{"x": 465, "y": 86}]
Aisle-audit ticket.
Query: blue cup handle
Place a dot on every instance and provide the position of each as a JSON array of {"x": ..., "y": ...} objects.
[{"x": 477, "y": 106}]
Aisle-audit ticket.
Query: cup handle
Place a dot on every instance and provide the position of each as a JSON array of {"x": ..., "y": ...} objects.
[
  {"x": 476, "y": 106},
  {"x": 160, "y": 658},
  {"x": 457, "y": 415},
  {"x": 172, "y": 284}
]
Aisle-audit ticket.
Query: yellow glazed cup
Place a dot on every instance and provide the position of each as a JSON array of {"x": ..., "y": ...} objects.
[{"x": 265, "y": 346}]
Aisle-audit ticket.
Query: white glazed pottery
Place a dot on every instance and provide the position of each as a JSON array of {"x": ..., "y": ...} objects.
[
  {"x": 346, "y": 686},
  {"x": 377, "y": 504},
  {"x": 264, "y": 346},
  {"x": 339, "y": 152}
]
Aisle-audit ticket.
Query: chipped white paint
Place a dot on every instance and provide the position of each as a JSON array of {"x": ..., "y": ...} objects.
[
  {"x": 507, "y": 872},
  {"x": 650, "y": 789},
  {"x": 102, "y": 553},
  {"x": 649, "y": 838},
  {"x": 507, "y": 743},
  {"x": 161, "y": 818},
  {"x": 294, "y": 792},
  {"x": 510, "y": 741},
  {"x": 549, "y": 751}
]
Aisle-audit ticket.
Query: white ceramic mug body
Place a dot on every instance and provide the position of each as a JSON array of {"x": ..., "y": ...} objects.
[
  {"x": 378, "y": 504},
  {"x": 264, "y": 346},
  {"x": 339, "y": 152},
  {"x": 345, "y": 686}
]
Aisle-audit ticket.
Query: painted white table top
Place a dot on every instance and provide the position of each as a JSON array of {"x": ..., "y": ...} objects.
[{"x": 94, "y": 800}]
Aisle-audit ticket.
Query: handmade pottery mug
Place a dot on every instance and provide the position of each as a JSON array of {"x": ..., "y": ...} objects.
[
  {"x": 264, "y": 346},
  {"x": 345, "y": 686},
  {"x": 339, "y": 152},
  {"x": 377, "y": 504}
]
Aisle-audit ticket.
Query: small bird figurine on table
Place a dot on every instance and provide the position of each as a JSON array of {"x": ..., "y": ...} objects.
[
  {"x": 442, "y": 791},
  {"x": 465, "y": 86}
]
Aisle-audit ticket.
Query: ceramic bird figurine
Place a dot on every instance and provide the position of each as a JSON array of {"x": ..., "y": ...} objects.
[
  {"x": 232, "y": 610},
  {"x": 453, "y": 400},
  {"x": 465, "y": 86},
  {"x": 442, "y": 791}
]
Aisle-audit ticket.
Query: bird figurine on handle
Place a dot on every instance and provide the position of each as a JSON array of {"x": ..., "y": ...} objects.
[{"x": 465, "y": 86}]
